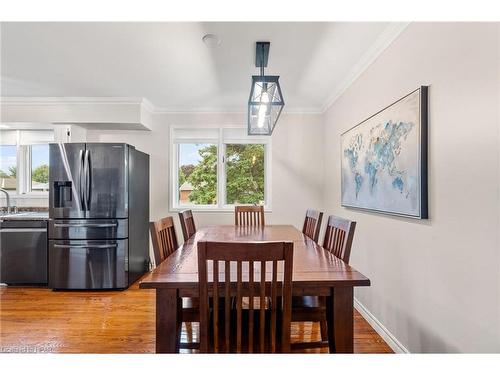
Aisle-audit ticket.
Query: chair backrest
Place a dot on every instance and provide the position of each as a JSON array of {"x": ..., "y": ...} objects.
[
  {"x": 164, "y": 238},
  {"x": 252, "y": 216},
  {"x": 338, "y": 237},
  {"x": 312, "y": 224},
  {"x": 250, "y": 262},
  {"x": 187, "y": 224}
]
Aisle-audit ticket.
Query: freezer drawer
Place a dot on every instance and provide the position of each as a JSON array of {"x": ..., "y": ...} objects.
[
  {"x": 88, "y": 229},
  {"x": 80, "y": 264},
  {"x": 23, "y": 252}
]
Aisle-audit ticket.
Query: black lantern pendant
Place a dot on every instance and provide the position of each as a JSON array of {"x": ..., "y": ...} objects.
[{"x": 266, "y": 101}]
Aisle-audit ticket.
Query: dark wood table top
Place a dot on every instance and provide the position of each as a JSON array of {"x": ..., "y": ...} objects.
[{"x": 313, "y": 266}]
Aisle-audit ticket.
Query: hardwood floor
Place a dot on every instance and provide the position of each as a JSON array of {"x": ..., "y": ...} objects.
[{"x": 40, "y": 320}]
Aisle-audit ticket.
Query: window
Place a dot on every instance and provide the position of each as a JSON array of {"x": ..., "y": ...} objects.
[
  {"x": 244, "y": 173},
  {"x": 24, "y": 160},
  {"x": 216, "y": 168},
  {"x": 39, "y": 167},
  {"x": 197, "y": 173},
  {"x": 8, "y": 167}
]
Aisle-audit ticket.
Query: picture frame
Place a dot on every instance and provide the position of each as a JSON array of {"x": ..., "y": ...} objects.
[{"x": 384, "y": 159}]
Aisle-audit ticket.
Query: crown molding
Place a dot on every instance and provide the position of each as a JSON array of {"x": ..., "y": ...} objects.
[
  {"x": 147, "y": 105},
  {"x": 184, "y": 110},
  {"x": 389, "y": 35},
  {"x": 216, "y": 110},
  {"x": 143, "y": 102},
  {"x": 54, "y": 100}
]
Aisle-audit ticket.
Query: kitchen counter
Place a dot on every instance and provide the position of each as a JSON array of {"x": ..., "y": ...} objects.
[{"x": 41, "y": 215}]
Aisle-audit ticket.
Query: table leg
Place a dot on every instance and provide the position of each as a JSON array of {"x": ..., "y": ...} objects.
[
  {"x": 168, "y": 320},
  {"x": 341, "y": 320}
]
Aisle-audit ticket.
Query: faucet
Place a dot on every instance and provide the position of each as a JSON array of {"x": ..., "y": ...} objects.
[{"x": 7, "y": 197}]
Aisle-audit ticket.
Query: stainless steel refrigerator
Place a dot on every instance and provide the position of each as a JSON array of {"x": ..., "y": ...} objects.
[{"x": 99, "y": 215}]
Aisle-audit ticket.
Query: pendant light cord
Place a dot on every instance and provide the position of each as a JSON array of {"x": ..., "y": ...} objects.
[{"x": 262, "y": 61}]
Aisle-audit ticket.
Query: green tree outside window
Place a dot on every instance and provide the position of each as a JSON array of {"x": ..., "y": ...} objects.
[{"x": 244, "y": 175}]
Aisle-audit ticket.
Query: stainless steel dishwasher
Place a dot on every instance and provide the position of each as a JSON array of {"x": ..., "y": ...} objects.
[{"x": 23, "y": 252}]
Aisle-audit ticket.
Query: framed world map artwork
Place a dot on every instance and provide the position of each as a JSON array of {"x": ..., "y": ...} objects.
[{"x": 384, "y": 159}]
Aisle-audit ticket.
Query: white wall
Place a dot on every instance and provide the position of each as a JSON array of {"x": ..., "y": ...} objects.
[
  {"x": 297, "y": 166},
  {"x": 435, "y": 283}
]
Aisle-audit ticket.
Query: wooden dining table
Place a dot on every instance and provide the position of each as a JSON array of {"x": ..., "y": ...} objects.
[{"x": 316, "y": 272}]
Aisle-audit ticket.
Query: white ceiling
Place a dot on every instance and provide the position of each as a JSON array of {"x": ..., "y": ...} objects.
[{"x": 168, "y": 64}]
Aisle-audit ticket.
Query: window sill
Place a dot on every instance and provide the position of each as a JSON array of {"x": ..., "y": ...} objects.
[{"x": 215, "y": 209}]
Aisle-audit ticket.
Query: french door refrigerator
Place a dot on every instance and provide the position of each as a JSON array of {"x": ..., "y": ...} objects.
[{"x": 99, "y": 215}]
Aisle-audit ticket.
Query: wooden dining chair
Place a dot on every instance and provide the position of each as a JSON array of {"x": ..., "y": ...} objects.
[
  {"x": 165, "y": 243},
  {"x": 252, "y": 216},
  {"x": 187, "y": 224},
  {"x": 164, "y": 238},
  {"x": 338, "y": 240},
  {"x": 312, "y": 224},
  {"x": 255, "y": 329},
  {"x": 338, "y": 237}
]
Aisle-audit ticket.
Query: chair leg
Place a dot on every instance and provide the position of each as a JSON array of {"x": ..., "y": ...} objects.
[
  {"x": 324, "y": 330},
  {"x": 189, "y": 331},
  {"x": 330, "y": 323}
]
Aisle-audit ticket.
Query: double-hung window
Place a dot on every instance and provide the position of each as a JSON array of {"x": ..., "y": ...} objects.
[
  {"x": 24, "y": 161},
  {"x": 217, "y": 168}
]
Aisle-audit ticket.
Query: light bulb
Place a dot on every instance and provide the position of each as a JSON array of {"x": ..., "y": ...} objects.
[{"x": 262, "y": 109}]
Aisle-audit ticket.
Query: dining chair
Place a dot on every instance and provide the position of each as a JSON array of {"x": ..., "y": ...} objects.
[
  {"x": 338, "y": 240},
  {"x": 164, "y": 238},
  {"x": 312, "y": 224},
  {"x": 165, "y": 244},
  {"x": 266, "y": 328},
  {"x": 338, "y": 237},
  {"x": 249, "y": 216},
  {"x": 187, "y": 224}
]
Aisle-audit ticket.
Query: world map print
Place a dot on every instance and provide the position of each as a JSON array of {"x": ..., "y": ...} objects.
[
  {"x": 383, "y": 149},
  {"x": 380, "y": 160}
]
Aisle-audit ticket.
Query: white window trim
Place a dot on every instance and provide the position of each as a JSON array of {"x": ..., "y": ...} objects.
[
  {"x": 221, "y": 185},
  {"x": 23, "y": 164},
  {"x": 23, "y": 189}
]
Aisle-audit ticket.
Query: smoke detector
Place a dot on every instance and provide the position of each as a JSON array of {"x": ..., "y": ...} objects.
[{"x": 211, "y": 40}]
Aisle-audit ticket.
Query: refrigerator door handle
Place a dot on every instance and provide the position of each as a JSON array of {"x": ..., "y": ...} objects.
[
  {"x": 85, "y": 181},
  {"x": 89, "y": 225},
  {"x": 110, "y": 246},
  {"x": 81, "y": 170},
  {"x": 88, "y": 182}
]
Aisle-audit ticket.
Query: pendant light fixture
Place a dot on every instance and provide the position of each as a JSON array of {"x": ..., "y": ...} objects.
[{"x": 266, "y": 101}]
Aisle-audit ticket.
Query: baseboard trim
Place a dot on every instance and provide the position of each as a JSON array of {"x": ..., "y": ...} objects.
[{"x": 388, "y": 337}]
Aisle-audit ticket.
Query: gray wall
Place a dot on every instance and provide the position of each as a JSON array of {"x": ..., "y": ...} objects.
[{"x": 435, "y": 283}]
